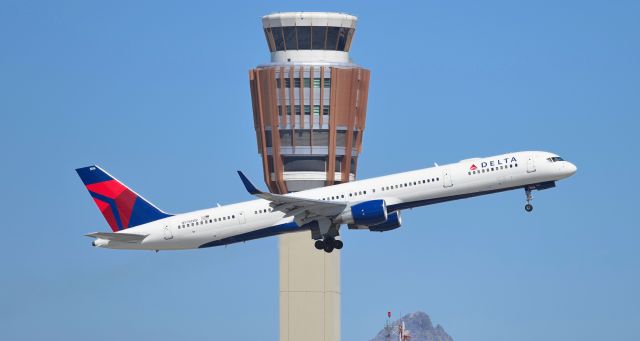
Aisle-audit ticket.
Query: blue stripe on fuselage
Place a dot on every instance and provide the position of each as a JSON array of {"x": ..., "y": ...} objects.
[{"x": 261, "y": 233}]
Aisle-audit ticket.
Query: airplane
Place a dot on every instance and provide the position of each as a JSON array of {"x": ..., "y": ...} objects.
[{"x": 372, "y": 204}]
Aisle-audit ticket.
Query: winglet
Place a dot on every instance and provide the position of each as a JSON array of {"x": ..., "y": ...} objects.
[{"x": 248, "y": 185}]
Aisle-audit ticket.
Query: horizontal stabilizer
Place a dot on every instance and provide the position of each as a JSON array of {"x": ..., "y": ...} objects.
[{"x": 119, "y": 237}]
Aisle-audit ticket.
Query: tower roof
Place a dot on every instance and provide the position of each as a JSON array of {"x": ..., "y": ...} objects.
[{"x": 285, "y": 19}]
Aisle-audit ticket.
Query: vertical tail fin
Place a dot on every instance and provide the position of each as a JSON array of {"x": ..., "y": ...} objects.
[{"x": 120, "y": 206}]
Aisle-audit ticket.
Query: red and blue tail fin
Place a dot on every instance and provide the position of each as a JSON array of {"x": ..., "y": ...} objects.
[{"x": 120, "y": 206}]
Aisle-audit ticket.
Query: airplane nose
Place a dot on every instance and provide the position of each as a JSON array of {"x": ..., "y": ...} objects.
[{"x": 570, "y": 169}]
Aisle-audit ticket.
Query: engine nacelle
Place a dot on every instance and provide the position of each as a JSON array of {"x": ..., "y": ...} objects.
[
  {"x": 393, "y": 222},
  {"x": 365, "y": 213}
]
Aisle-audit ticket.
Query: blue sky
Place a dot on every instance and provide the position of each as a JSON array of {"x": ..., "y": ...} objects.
[{"x": 158, "y": 94}]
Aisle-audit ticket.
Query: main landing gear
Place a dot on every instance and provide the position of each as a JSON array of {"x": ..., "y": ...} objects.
[
  {"x": 328, "y": 244},
  {"x": 528, "y": 207}
]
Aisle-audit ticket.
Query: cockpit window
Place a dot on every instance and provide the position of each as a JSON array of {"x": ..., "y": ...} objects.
[{"x": 555, "y": 159}]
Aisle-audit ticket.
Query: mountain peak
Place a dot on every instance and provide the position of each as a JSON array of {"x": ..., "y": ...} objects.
[{"x": 419, "y": 325}]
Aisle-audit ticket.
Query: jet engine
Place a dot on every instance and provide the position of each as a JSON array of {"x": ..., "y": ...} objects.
[
  {"x": 366, "y": 213},
  {"x": 393, "y": 222}
]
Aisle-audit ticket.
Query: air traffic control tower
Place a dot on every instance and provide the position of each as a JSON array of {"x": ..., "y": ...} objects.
[{"x": 309, "y": 109}]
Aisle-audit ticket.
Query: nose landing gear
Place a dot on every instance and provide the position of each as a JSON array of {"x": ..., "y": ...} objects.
[
  {"x": 328, "y": 244},
  {"x": 528, "y": 207}
]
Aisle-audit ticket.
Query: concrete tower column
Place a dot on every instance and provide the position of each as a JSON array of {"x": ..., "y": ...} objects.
[{"x": 309, "y": 110}]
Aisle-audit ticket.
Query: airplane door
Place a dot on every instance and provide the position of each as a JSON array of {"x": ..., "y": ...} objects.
[
  {"x": 446, "y": 176},
  {"x": 241, "y": 218},
  {"x": 167, "y": 233},
  {"x": 531, "y": 166}
]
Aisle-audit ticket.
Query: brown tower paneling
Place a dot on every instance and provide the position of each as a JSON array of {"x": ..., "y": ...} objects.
[{"x": 274, "y": 115}]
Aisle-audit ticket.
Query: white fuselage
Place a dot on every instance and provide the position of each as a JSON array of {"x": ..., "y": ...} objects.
[{"x": 255, "y": 219}]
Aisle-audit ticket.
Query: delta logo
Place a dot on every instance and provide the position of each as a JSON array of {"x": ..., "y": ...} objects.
[{"x": 494, "y": 163}]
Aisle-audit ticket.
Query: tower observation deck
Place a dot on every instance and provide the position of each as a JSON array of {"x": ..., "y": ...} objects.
[{"x": 309, "y": 103}]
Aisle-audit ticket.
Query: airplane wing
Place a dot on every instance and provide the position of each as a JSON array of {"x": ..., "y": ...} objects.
[
  {"x": 303, "y": 210},
  {"x": 119, "y": 237}
]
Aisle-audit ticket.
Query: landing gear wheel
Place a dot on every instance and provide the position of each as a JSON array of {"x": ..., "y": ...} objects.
[
  {"x": 319, "y": 244},
  {"x": 329, "y": 244},
  {"x": 328, "y": 247},
  {"x": 338, "y": 244},
  {"x": 528, "y": 207}
]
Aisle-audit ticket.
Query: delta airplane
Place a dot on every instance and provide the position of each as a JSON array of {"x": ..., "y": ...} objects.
[{"x": 371, "y": 204}]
